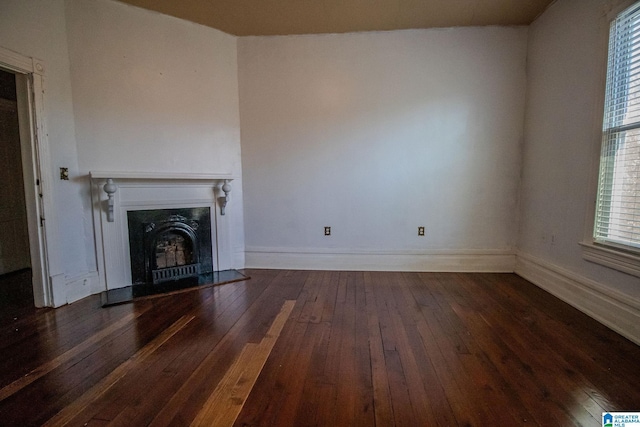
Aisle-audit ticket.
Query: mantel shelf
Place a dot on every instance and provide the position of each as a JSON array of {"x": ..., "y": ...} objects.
[
  {"x": 160, "y": 176},
  {"x": 112, "y": 180}
]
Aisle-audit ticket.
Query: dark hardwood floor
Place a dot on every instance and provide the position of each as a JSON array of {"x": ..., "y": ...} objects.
[{"x": 354, "y": 348}]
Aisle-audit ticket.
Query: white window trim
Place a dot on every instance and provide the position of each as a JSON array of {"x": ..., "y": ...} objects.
[
  {"x": 617, "y": 259},
  {"x": 605, "y": 255}
]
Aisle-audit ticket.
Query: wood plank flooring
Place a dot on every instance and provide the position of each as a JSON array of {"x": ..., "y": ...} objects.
[{"x": 319, "y": 348}]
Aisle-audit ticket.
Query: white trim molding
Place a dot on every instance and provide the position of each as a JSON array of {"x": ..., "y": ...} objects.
[
  {"x": 618, "y": 260},
  {"x": 82, "y": 285},
  {"x": 160, "y": 176},
  {"x": 71, "y": 288},
  {"x": 495, "y": 261},
  {"x": 20, "y": 63},
  {"x": 613, "y": 309}
]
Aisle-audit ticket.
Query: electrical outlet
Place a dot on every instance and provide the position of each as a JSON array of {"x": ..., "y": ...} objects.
[
  {"x": 327, "y": 231},
  {"x": 420, "y": 231}
]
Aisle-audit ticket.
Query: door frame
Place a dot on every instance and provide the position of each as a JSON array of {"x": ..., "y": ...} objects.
[{"x": 36, "y": 168}]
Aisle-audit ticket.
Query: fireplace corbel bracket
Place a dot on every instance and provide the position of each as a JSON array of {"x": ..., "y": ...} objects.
[
  {"x": 110, "y": 188},
  {"x": 222, "y": 200}
]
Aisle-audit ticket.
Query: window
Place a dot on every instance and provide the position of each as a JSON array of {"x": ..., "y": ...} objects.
[{"x": 617, "y": 219}]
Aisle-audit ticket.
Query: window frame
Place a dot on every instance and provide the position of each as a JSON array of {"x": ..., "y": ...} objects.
[{"x": 619, "y": 257}]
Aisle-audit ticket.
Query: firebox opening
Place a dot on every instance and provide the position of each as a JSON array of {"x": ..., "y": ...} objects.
[
  {"x": 173, "y": 254},
  {"x": 173, "y": 250},
  {"x": 170, "y": 245}
]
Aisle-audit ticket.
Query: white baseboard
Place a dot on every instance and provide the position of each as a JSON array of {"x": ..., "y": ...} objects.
[
  {"x": 451, "y": 261},
  {"x": 81, "y": 286},
  {"x": 238, "y": 260},
  {"x": 58, "y": 290},
  {"x": 609, "y": 307}
]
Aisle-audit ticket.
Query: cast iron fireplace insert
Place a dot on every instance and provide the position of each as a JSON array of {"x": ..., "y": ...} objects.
[{"x": 171, "y": 251}]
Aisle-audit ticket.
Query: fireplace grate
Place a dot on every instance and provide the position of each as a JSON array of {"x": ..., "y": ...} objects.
[{"x": 175, "y": 273}]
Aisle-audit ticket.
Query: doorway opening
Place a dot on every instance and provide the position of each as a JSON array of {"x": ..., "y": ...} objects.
[
  {"x": 16, "y": 287},
  {"x": 29, "y": 190}
]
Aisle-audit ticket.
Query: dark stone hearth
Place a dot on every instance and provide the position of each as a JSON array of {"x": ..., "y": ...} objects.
[{"x": 138, "y": 292}]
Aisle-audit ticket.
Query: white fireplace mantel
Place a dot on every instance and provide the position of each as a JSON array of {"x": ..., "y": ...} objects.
[
  {"x": 160, "y": 176},
  {"x": 220, "y": 179},
  {"x": 153, "y": 190}
]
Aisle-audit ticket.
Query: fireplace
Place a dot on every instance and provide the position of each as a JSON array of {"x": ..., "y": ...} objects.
[
  {"x": 189, "y": 216},
  {"x": 168, "y": 245}
]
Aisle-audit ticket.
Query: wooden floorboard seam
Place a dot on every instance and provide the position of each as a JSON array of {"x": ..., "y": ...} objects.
[
  {"x": 225, "y": 403},
  {"x": 184, "y": 394},
  {"x": 45, "y": 368},
  {"x": 69, "y": 412}
]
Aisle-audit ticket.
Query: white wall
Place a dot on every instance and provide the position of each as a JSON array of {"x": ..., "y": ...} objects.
[
  {"x": 153, "y": 93},
  {"x": 126, "y": 90},
  {"x": 375, "y": 134},
  {"x": 566, "y": 63},
  {"x": 38, "y": 29}
]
